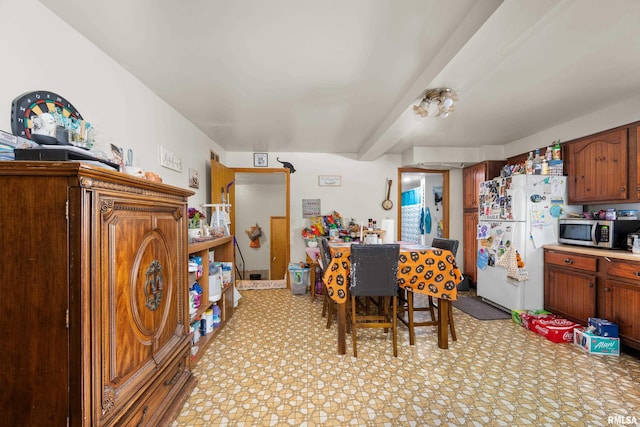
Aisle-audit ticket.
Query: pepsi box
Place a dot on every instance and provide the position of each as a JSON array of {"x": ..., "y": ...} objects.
[{"x": 604, "y": 328}]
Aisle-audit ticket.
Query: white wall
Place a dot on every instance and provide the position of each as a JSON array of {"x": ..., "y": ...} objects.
[
  {"x": 359, "y": 197},
  {"x": 56, "y": 58}
]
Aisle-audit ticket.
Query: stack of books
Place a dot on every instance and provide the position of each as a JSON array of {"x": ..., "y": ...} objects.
[{"x": 9, "y": 142}]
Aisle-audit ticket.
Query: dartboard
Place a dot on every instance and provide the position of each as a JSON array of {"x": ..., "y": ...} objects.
[{"x": 30, "y": 104}]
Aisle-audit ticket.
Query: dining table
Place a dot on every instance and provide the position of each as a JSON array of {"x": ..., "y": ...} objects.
[{"x": 421, "y": 269}]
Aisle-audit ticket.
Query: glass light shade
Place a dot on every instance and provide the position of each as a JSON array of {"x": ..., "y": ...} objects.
[
  {"x": 433, "y": 109},
  {"x": 447, "y": 101}
]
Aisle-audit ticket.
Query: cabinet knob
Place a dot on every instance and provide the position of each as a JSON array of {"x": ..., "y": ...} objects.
[
  {"x": 567, "y": 261},
  {"x": 622, "y": 189},
  {"x": 607, "y": 289},
  {"x": 637, "y": 273},
  {"x": 591, "y": 285}
]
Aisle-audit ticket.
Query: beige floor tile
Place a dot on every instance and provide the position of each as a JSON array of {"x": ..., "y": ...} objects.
[{"x": 275, "y": 364}]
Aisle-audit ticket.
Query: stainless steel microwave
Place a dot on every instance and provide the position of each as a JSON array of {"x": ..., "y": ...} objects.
[{"x": 600, "y": 233}]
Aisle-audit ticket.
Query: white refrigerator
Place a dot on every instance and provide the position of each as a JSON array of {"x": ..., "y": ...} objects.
[{"x": 522, "y": 212}]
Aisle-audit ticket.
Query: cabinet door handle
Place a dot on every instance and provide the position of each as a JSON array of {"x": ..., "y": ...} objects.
[
  {"x": 144, "y": 415},
  {"x": 607, "y": 290},
  {"x": 567, "y": 261},
  {"x": 173, "y": 380},
  {"x": 607, "y": 259},
  {"x": 622, "y": 189},
  {"x": 591, "y": 285},
  {"x": 637, "y": 273}
]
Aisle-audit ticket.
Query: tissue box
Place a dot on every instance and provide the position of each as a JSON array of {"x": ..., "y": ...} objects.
[
  {"x": 594, "y": 344},
  {"x": 604, "y": 328}
]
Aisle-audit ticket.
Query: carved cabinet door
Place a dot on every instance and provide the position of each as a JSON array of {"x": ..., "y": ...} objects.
[{"x": 140, "y": 320}]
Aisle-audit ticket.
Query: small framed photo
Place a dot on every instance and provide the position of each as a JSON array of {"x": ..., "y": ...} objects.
[
  {"x": 194, "y": 178},
  {"x": 260, "y": 160}
]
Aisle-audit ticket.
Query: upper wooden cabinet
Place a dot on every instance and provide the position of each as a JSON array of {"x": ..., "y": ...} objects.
[
  {"x": 472, "y": 176},
  {"x": 597, "y": 167}
]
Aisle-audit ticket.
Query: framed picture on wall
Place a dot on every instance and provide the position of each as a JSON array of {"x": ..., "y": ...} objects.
[
  {"x": 260, "y": 160},
  {"x": 194, "y": 178},
  {"x": 329, "y": 180}
]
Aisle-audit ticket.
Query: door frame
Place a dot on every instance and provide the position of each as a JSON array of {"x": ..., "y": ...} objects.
[
  {"x": 445, "y": 196},
  {"x": 286, "y": 173}
]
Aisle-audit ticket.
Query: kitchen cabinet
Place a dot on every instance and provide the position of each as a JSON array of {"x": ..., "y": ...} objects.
[
  {"x": 470, "y": 251},
  {"x": 597, "y": 168},
  {"x": 584, "y": 282},
  {"x": 636, "y": 157},
  {"x": 94, "y": 315},
  {"x": 472, "y": 176},
  {"x": 570, "y": 285},
  {"x": 223, "y": 251},
  {"x": 621, "y": 296}
]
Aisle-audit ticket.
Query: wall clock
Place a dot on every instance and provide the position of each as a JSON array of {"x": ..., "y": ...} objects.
[{"x": 31, "y": 104}]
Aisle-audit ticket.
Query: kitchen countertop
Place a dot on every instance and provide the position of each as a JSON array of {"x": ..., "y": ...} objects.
[{"x": 611, "y": 253}]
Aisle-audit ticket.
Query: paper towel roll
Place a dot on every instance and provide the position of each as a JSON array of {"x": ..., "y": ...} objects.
[{"x": 388, "y": 225}]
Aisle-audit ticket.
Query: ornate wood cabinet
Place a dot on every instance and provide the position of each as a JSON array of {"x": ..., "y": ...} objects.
[{"x": 93, "y": 297}]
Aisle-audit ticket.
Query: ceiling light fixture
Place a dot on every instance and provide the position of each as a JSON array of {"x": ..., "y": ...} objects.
[{"x": 437, "y": 103}]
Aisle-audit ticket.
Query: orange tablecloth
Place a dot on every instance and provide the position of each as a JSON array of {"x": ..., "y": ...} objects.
[
  {"x": 428, "y": 271},
  {"x": 422, "y": 270}
]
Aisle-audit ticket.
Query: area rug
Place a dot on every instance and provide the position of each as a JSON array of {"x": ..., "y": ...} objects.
[
  {"x": 479, "y": 309},
  {"x": 243, "y": 285}
]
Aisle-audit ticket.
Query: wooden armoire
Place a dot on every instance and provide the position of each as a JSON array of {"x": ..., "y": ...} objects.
[{"x": 94, "y": 310}]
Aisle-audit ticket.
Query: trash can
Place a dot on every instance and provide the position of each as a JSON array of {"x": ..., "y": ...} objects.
[
  {"x": 464, "y": 284},
  {"x": 299, "y": 279}
]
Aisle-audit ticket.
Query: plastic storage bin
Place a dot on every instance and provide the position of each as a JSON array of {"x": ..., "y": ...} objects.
[{"x": 299, "y": 279}]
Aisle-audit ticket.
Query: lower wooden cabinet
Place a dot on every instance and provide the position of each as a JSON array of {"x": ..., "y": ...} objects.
[
  {"x": 94, "y": 309},
  {"x": 594, "y": 283},
  {"x": 570, "y": 293},
  {"x": 622, "y": 298}
]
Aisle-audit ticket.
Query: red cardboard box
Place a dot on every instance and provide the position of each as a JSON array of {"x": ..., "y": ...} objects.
[
  {"x": 528, "y": 318},
  {"x": 556, "y": 330}
]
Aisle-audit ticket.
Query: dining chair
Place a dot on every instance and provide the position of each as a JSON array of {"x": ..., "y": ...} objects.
[
  {"x": 439, "y": 243},
  {"x": 329, "y": 308},
  {"x": 374, "y": 273}
]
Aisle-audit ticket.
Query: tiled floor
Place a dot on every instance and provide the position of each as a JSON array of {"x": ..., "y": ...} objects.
[{"x": 275, "y": 364}]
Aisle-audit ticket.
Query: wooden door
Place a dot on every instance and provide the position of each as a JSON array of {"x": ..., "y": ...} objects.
[
  {"x": 278, "y": 237},
  {"x": 141, "y": 321}
]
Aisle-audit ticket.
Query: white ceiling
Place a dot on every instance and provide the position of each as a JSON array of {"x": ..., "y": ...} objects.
[{"x": 341, "y": 76}]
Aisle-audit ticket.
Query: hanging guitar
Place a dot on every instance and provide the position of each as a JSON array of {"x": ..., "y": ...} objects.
[{"x": 387, "y": 203}]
